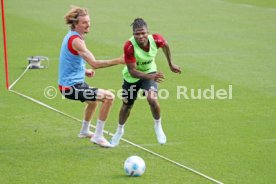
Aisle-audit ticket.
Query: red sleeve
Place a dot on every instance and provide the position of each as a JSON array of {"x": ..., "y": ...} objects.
[
  {"x": 70, "y": 46},
  {"x": 159, "y": 40},
  {"x": 129, "y": 52}
]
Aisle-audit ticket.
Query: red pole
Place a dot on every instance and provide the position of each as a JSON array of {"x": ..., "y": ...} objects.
[{"x": 5, "y": 45}]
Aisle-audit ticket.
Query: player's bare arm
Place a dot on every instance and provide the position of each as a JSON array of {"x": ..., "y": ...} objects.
[
  {"x": 174, "y": 68},
  {"x": 80, "y": 47},
  {"x": 158, "y": 76}
]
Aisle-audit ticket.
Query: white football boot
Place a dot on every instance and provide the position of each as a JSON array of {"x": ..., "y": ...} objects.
[
  {"x": 115, "y": 140},
  {"x": 161, "y": 137},
  {"x": 101, "y": 141},
  {"x": 88, "y": 134}
]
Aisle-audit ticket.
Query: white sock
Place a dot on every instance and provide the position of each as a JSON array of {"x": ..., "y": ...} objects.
[
  {"x": 85, "y": 126},
  {"x": 157, "y": 122},
  {"x": 99, "y": 128},
  {"x": 120, "y": 128}
]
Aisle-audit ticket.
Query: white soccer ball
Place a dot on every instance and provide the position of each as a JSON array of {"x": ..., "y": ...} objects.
[{"x": 134, "y": 166}]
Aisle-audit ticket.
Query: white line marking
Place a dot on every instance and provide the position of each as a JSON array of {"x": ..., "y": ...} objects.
[
  {"x": 19, "y": 77},
  {"x": 155, "y": 145},
  {"x": 268, "y": 140}
]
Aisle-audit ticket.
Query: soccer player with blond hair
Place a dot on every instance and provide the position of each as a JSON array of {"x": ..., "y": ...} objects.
[{"x": 72, "y": 71}]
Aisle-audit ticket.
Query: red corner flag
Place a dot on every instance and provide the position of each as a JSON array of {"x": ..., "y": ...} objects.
[{"x": 5, "y": 44}]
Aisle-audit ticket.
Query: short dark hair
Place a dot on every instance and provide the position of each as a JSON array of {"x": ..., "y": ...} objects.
[{"x": 138, "y": 23}]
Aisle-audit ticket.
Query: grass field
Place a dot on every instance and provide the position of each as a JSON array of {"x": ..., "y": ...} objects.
[{"x": 216, "y": 42}]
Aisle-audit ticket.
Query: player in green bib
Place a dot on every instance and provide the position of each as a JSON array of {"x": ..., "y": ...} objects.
[{"x": 141, "y": 72}]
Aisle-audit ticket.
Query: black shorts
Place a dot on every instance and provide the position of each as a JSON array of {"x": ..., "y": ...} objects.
[
  {"x": 81, "y": 92},
  {"x": 130, "y": 90}
]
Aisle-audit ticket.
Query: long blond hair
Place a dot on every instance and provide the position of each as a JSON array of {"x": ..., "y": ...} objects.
[{"x": 71, "y": 17}]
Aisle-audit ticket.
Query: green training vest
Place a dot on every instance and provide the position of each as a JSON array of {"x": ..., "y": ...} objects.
[{"x": 145, "y": 61}]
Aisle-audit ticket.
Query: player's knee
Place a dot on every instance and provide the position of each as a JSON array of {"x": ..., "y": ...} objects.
[
  {"x": 152, "y": 100},
  {"x": 110, "y": 97}
]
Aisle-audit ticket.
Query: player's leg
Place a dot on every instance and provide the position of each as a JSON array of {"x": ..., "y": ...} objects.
[
  {"x": 153, "y": 103},
  {"x": 124, "y": 113},
  {"x": 88, "y": 114},
  {"x": 152, "y": 97},
  {"x": 89, "y": 110},
  {"x": 107, "y": 98},
  {"x": 91, "y": 96},
  {"x": 129, "y": 95},
  {"x": 78, "y": 92},
  {"x": 123, "y": 116}
]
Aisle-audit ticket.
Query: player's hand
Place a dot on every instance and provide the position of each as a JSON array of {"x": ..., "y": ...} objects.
[
  {"x": 175, "y": 68},
  {"x": 158, "y": 77},
  {"x": 122, "y": 59},
  {"x": 89, "y": 73}
]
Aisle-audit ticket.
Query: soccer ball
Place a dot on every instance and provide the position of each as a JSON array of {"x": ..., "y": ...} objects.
[{"x": 134, "y": 166}]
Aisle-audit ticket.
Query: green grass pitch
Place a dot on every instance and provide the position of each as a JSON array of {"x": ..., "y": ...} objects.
[{"x": 216, "y": 42}]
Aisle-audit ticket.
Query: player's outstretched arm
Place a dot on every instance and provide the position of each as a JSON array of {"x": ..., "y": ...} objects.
[
  {"x": 174, "y": 68},
  {"x": 80, "y": 47}
]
